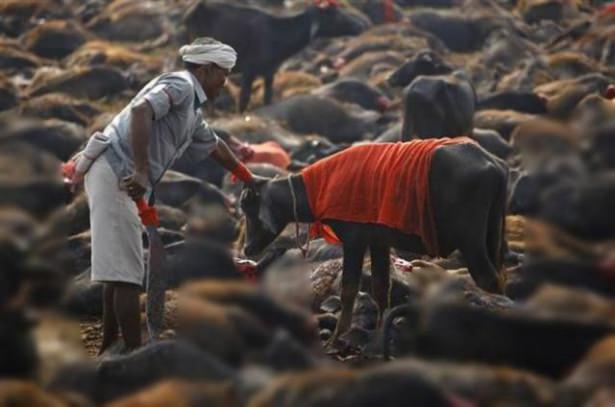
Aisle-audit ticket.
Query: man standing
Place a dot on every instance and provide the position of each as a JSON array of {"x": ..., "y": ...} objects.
[{"x": 162, "y": 122}]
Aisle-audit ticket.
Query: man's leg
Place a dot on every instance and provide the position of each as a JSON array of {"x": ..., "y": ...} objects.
[
  {"x": 117, "y": 252},
  {"x": 110, "y": 327},
  {"x": 126, "y": 305}
]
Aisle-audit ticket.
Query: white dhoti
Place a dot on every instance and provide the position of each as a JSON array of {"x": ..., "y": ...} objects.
[{"x": 117, "y": 248}]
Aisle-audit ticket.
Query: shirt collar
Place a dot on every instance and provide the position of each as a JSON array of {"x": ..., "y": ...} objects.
[{"x": 201, "y": 97}]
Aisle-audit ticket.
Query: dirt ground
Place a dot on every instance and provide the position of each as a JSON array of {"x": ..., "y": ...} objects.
[{"x": 91, "y": 328}]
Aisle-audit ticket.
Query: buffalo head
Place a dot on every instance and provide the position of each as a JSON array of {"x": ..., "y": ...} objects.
[
  {"x": 438, "y": 106},
  {"x": 262, "y": 226},
  {"x": 426, "y": 62},
  {"x": 332, "y": 20}
]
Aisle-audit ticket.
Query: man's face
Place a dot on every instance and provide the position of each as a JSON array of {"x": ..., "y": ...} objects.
[{"x": 213, "y": 78}]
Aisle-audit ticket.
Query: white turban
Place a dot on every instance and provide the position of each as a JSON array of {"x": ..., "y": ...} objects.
[{"x": 205, "y": 51}]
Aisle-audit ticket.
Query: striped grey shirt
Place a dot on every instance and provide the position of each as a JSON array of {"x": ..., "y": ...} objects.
[{"x": 178, "y": 126}]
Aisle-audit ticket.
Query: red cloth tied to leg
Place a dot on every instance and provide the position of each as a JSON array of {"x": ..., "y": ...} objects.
[
  {"x": 379, "y": 183},
  {"x": 148, "y": 214}
]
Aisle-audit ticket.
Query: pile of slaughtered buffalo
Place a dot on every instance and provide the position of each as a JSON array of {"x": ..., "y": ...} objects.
[{"x": 499, "y": 115}]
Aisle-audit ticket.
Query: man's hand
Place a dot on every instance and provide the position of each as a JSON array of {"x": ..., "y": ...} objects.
[
  {"x": 135, "y": 185},
  {"x": 225, "y": 157},
  {"x": 76, "y": 181},
  {"x": 71, "y": 176}
]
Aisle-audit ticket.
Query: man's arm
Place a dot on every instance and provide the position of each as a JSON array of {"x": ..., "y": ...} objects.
[
  {"x": 224, "y": 156},
  {"x": 142, "y": 116},
  {"x": 206, "y": 143}
]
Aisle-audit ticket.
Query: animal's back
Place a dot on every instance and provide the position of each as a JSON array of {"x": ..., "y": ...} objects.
[
  {"x": 379, "y": 183},
  {"x": 469, "y": 160}
]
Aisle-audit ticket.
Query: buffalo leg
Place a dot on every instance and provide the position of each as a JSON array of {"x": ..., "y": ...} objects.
[
  {"x": 268, "y": 97},
  {"x": 473, "y": 242},
  {"x": 496, "y": 243},
  {"x": 481, "y": 268},
  {"x": 246, "y": 91},
  {"x": 351, "y": 278},
  {"x": 381, "y": 282}
]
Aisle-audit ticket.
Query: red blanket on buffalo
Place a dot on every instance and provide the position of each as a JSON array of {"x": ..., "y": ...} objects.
[{"x": 380, "y": 183}]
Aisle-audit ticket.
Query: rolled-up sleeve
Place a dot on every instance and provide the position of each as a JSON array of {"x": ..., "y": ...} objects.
[
  {"x": 167, "y": 94},
  {"x": 204, "y": 142}
]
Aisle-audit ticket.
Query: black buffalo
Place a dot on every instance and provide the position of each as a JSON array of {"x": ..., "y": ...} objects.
[
  {"x": 438, "y": 106},
  {"x": 425, "y": 62},
  {"x": 467, "y": 194},
  {"x": 264, "y": 41},
  {"x": 461, "y": 332}
]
